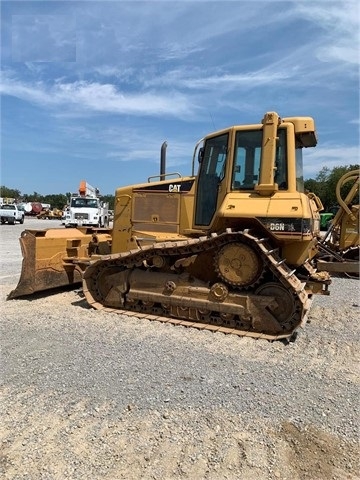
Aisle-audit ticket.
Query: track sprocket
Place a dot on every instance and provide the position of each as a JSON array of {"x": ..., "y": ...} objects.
[{"x": 238, "y": 265}]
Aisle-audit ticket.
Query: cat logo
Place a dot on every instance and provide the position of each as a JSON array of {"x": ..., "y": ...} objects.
[{"x": 174, "y": 188}]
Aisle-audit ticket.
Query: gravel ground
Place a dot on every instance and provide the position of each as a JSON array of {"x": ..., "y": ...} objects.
[{"x": 92, "y": 395}]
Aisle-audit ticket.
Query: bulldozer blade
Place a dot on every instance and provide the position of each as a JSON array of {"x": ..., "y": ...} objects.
[{"x": 51, "y": 258}]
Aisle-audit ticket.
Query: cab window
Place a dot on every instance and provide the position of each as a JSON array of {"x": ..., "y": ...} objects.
[
  {"x": 211, "y": 173},
  {"x": 246, "y": 172}
]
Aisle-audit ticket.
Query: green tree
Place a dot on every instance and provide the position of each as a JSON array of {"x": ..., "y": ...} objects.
[
  {"x": 324, "y": 186},
  {"x": 32, "y": 197},
  {"x": 6, "y": 192},
  {"x": 333, "y": 178},
  {"x": 56, "y": 201},
  {"x": 110, "y": 199},
  {"x": 311, "y": 185}
]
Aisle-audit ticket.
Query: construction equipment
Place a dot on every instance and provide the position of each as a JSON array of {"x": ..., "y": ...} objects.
[
  {"x": 339, "y": 248},
  {"x": 35, "y": 208},
  {"x": 48, "y": 214},
  {"x": 86, "y": 208},
  {"x": 7, "y": 200},
  {"x": 325, "y": 220},
  {"x": 230, "y": 249}
]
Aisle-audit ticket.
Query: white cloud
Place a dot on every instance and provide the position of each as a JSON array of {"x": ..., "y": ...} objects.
[
  {"x": 96, "y": 97},
  {"x": 355, "y": 121},
  {"x": 329, "y": 156},
  {"x": 340, "y": 22},
  {"x": 198, "y": 79}
]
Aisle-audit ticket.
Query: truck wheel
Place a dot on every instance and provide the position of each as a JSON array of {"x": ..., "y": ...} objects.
[{"x": 22, "y": 220}]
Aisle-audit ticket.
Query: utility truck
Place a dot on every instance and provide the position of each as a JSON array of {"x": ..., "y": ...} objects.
[{"x": 86, "y": 208}]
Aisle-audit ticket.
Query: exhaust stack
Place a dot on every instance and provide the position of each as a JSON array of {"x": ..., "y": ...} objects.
[{"x": 163, "y": 161}]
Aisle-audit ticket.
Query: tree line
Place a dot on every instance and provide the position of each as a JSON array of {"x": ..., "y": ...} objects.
[
  {"x": 55, "y": 200},
  {"x": 323, "y": 185}
]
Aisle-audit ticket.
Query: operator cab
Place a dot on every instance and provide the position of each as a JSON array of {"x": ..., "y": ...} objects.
[{"x": 258, "y": 159}]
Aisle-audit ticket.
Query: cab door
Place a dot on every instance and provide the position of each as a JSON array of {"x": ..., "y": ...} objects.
[{"x": 211, "y": 173}]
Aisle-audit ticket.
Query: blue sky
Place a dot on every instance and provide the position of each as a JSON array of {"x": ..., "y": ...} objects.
[{"x": 90, "y": 90}]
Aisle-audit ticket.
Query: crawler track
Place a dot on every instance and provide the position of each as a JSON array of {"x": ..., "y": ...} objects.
[{"x": 178, "y": 283}]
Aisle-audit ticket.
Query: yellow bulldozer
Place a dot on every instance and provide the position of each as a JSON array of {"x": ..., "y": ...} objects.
[{"x": 232, "y": 248}]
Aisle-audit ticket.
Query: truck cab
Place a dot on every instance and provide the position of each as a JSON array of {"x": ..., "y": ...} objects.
[{"x": 86, "y": 209}]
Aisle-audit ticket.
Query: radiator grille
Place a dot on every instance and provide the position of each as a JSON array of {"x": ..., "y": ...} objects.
[
  {"x": 162, "y": 207},
  {"x": 81, "y": 216}
]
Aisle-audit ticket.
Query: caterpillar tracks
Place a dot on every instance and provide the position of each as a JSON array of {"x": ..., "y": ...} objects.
[{"x": 231, "y": 282}]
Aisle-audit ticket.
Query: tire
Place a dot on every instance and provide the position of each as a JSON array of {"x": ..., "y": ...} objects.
[
  {"x": 11, "y": 221},
  {"x": 21, "y": 221}
]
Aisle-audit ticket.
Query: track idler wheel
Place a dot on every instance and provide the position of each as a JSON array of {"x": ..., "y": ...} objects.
[{"x": 287, "y": 311}]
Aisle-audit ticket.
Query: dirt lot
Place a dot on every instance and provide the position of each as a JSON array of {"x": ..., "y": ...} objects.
[{"x": 92, "y": 395}]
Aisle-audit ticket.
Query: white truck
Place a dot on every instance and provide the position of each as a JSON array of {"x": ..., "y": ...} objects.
[
  {"x": 86, "y": 208},
  {"x": 9, "y": 213}
]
